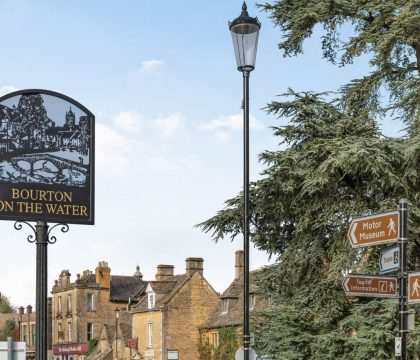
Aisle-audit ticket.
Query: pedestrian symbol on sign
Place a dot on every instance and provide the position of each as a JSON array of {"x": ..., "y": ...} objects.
[
  {"x": 416, "y": 288},
  {"x": 391, "y": 226},
  {"x": 391, "y": 287}
]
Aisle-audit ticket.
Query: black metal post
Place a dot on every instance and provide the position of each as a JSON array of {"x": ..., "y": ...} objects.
[
  {"x": 403, "y": 313},
  {"x": 41, "y": 290},
  {"x": 246, "y": 343}
]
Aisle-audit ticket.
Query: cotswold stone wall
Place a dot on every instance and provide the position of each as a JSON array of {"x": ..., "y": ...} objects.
[{"x": 188, "y": 309}]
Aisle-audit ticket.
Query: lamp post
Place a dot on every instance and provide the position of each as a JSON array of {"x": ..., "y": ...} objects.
[
  {"x": 245, "y": 30},
  {"x": 117, "y": 316}
]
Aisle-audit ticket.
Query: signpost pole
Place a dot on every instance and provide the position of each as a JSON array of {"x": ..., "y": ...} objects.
[
  {"x": 403, "y": 225},
  {"x": 41, "y": 290}
]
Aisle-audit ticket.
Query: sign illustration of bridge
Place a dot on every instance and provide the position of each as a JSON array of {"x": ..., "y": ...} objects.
[{"x": 59, "y": 162}]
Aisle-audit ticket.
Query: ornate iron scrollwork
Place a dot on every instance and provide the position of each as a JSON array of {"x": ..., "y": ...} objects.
[
  {"x": 53, "y": 239},
  {"x": 30, "y": 238},
  {"x": 33, "y": 238}
]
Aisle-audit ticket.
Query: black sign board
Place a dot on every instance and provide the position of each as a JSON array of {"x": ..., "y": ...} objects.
[{"x": 46, "y": 158}]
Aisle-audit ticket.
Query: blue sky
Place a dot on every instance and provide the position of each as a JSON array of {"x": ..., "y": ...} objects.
[{"x": 161, "y": 79}]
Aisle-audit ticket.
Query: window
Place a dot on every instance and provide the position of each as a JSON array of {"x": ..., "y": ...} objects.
[
  {"x": 25, "y": 333},
  {"x": 149, "y": 334},
  {"x": 60, "y": 333},
  {"x": 69, "y": 304},
  {"x": 214, "y": 339},
  {"x": 173, "y": 355},
  {"x": 89, "y": 302},
  {"x": 252, "y": 300},
  {"x": 89, "y": 331},
  {"x": 225, "y": 305},
  {"x": 33, "y": 333},
  {"x": 151, "y": 300},
  {"x": 69, "y": 332},
  {"x": 59, "y": 306}
]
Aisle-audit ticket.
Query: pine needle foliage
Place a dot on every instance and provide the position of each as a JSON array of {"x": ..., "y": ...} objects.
[
  {"x": 337, "y": 165},
  {"x": 387, "y": 30}
]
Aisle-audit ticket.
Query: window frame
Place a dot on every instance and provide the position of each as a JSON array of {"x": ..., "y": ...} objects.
[
  {"x": 69, "y": 304},
  {"x": 89, "y": 331},
  {"x": 89, "y": 301},
  {"x": 252, "y": 301},
  {"x": 59, "y": 306},
  {"x": 69, "y": 331},
  {"x": 151, "y": 300},
  {"x": 33, "y": 334},
  {"x": 225, "y": 306},
  {"x": 149, "y": 334}
]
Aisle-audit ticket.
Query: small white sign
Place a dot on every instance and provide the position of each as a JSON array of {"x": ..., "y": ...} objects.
[
  {"x": 239, "y": 355},
  {"x": 19, "y": 350},
  {"x": 410, "y": 321},
  {"x": 397, "y": 346},
  {"x": 149, "y": 352},
  {"x": 389, "y": 259}
]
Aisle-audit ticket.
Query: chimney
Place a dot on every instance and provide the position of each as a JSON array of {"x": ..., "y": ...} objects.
[
  {"x": 194, "y": 265},
  {"x": 239, "y": 264},
  {"x": 64, "y": 279},
  {"x": 164, "y": 272},
  {"x": 103, "y": 275}
]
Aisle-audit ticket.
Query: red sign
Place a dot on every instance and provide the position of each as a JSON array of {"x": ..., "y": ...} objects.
[
  {"x": 372, "y": 286},
  {"x": 414, "y": 288},
  {"x": 70, "y": 349},
  {"x": 133, "y": 343},
  {"x": 374, "y": 230}
]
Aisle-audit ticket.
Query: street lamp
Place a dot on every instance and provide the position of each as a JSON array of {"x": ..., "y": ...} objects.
[
  {"x": 117, "y": 316},
  {"x": 245, "y": 30}
]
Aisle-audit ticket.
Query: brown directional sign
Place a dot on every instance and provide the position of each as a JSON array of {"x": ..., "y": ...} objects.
[
  {"x": 374, "y": 230},
  {"x": 371, "y": 286},
  {"x": 413, "y": 288}
]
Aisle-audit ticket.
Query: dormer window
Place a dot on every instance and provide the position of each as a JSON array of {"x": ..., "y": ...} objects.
[
  {"x": 225, "y": 306},
  {"x": 151, "y": 300}
]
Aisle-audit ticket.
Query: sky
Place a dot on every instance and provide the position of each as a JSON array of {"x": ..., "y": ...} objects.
[{"x": 161, "y": 79}]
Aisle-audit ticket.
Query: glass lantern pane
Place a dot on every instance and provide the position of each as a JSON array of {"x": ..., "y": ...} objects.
[{"x": 245, "y": 46}]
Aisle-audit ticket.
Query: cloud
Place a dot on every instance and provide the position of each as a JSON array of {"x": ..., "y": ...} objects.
[
  {"x": 128, "y": 121},
  {"x": 222, "y": 126},
  {"x": 168, "y": 126},
  {"x": 6, "y": 89},
  {"x": 111, "y": 148},
  {"x": 151, "y": 67},
  {"x": 164, "y": 166}
]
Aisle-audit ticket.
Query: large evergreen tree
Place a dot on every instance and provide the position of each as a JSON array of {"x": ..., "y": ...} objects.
[{"x": 337, "y": 166}]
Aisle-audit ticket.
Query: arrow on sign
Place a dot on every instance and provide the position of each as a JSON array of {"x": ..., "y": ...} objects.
[
  {"x": 371, "y": 286},
  {"x": 374, "y": 230}
]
